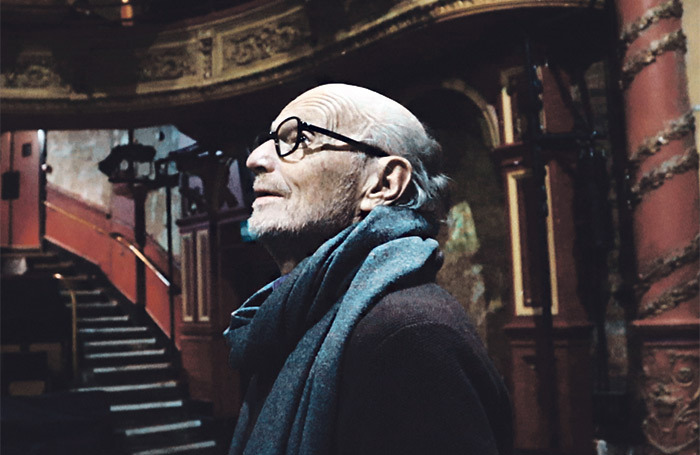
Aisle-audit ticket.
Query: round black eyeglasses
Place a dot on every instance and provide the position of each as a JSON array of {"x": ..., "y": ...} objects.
[{"x": 289, "y": 135}]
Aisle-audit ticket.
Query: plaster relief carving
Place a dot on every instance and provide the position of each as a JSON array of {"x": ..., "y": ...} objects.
[
  {"x": 206, "y": 45},
  {"x": 671, "y": 392},
  {"x": 166, "y": 64},
  {"x": 262, "y": 43},
  {"x": 35, "y": 71}
]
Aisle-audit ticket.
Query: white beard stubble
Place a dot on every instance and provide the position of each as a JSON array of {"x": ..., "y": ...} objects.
[{"x": 331, "y": 208}]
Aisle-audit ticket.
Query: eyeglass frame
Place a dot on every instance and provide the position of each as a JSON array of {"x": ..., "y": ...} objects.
[{"x": 303, "y": 126}]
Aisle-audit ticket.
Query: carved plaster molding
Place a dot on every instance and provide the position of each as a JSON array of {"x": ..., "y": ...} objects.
[
  {"x": 671, "y": 391},
  {"x": 33, "y": 71},
  {"x": 166, "y": 64},
  {"x": 264, "y": 42},
  {"x": 229, "y": 56}
]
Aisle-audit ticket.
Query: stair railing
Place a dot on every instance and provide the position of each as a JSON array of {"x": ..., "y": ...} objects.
[
  {"x": 68, "y": 285},
  {"x": 140, "y": 255},
  {"x": 119, "y": 238}
]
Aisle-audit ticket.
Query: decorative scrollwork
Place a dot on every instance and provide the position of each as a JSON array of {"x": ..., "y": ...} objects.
[
  {"x": 206, "y": 46},
  {"x": 670, "y": 391},
  {"x": 36, "y": 71},
  {"x": 166, "y": 65},
  {"x": 263, "y": 43},
  {"x": 674, "y": 41}
]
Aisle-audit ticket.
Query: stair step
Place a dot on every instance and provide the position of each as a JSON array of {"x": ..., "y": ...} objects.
[
  {"x": 129, "y": 372},
  {"x": 125, "y": 354},
  {"x": 31, "y": 252},
  {"x": 144, "y": 412},
  {"x": 202, "y": 445},
  {"x": 138, "y": 392},
  {"x": 135, "y": 367},
  {"x": 129, "y": 387},
  {"x": 111, "y": 330},
  {"x": 93, "y": 308},
  {"x": 120, "y": 343},
  {"x": 96, "y": 305},
  {"x": 82, "y": 277},
  {"x": 146, "y": 406},
  {"x": 85, "y": 292},
  {"x": 103, "y": 319},
  {"x": 79, "y": 282},
  {"x": 63, "y": 265},
  {"x": 110, "y": 333},
  {"x": 84, "y": 295},
  {"x": 164, "y": 428}
]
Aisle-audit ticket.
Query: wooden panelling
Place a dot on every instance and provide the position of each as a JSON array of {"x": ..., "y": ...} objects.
[
  {"x": 189, "y": 286},
  {"x": 518, "y": 231},
  {"x": 203, "y": 276}
]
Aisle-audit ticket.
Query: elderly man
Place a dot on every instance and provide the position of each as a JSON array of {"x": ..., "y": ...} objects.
[{"x": 355, "y": 349}]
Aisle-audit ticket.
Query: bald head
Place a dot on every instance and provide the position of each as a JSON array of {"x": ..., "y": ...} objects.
[
  {"x": 377, "y": 120},
  {"x": 360, "y": 113}
]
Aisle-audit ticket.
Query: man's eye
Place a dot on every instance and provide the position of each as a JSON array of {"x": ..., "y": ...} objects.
[{"x": 304, "y": 139}]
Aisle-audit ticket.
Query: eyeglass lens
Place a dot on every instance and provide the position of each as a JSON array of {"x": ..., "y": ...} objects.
[{"x": 288, "y": 136}]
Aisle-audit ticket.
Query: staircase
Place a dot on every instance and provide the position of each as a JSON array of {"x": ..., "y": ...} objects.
[{"x": 123, "y": 354}]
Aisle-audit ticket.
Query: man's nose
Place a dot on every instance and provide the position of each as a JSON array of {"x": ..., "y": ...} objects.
[{"x": 262, "y": 159}]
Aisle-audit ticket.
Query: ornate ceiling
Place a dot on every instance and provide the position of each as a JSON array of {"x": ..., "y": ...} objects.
[{"x": 100, "y": 67}]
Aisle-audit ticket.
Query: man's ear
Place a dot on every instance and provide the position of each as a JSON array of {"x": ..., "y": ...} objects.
[{"x": 386, "y": 182}]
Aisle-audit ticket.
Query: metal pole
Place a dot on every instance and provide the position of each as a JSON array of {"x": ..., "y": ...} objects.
[{"x": 545, "y": 345}]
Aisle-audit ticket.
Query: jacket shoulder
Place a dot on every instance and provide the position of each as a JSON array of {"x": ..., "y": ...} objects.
[{"x": 426, "y": 304}]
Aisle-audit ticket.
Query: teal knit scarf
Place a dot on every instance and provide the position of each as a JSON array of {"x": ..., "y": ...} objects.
[{"x": 302, "y": 326}]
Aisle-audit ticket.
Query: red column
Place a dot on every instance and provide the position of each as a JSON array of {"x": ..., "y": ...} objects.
[{"x": 664, "y": 198}]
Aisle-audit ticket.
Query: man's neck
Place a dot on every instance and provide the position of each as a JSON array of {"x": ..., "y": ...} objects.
[{"x": 288, "y": 252}]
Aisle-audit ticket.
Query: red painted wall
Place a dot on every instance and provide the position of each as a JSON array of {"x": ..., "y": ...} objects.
[
  {"x": 20, "y": 217},
  {"x": 83, "y": 229}
]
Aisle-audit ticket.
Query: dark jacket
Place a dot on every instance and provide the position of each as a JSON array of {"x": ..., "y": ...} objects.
[{"x": 415, "y": 379}]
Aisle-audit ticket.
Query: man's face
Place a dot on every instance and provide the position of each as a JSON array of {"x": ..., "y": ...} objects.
[{"x": 311, "y": 194}]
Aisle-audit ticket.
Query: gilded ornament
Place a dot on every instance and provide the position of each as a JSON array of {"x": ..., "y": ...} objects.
[
  {"x": 670, "y": 391},
  {"x": 263, "y": 43},
  {"x": 167, "y": 65},
  {"x": 32, "y": 72}
]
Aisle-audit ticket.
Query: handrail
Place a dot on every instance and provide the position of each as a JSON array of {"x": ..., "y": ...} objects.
[
  {"x": 119, "y": 238},
  {"x": 141, "y": 256},
  {"x": 75, "y": 218},
  {"x": 74, "y": 320}
]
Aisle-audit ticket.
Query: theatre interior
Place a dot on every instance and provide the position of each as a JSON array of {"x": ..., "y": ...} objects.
[{"x": 569, "y": 133}]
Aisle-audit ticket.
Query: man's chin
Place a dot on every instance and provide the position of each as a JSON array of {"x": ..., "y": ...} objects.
[{"x": 267, "y": 227}]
